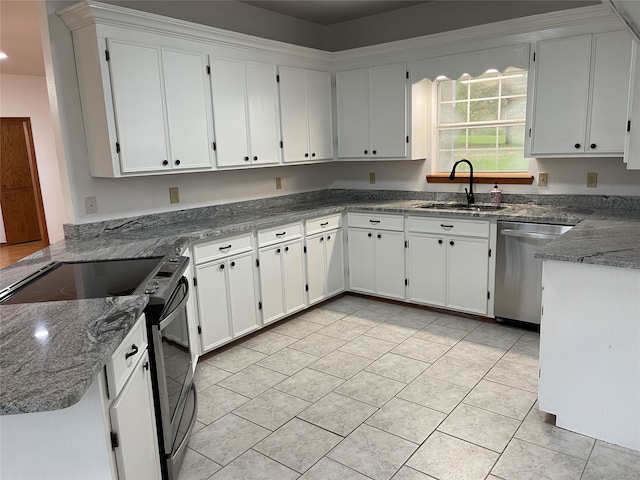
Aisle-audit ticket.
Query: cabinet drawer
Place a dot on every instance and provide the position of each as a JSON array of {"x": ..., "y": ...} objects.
[
  {"x": 375, "y": 221},
  {"x": 279, "y": 234},
  {"x": 322, "y": 224},
  {"x": 204, "y": 252},
  {"x": 475, "y": 228},
  {"x": 126, "y": 357}
]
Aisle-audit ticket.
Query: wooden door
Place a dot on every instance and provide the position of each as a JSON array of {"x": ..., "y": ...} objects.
[{"x": 22, "y": 210}]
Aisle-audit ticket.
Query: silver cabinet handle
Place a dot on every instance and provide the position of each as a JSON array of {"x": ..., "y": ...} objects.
[{"x": 521, "y": 234}]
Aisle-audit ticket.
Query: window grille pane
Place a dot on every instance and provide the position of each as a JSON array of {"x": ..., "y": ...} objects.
[
  {"x": 513, "y": 108},
  {"x": 511, "y": 136},
  {"x": 482, "y": 88},
  {"x": 452, "y": 139},
  {"x": 483, "y": 160},
  {"x": 482, "y": 138},
  {"x": 451, "y": 113},
  {"x": 483, "y": 110},
  {"x": 515, "y": 84}
]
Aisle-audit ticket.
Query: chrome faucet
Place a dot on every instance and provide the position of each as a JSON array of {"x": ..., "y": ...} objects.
[{"x": 468, "y": 193}]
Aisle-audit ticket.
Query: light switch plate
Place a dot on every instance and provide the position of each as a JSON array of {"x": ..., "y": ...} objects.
[
  {"x": 174, "y": 195},
  {"x": 592, "y": 179},
  {"x": 543, "y": 178}
]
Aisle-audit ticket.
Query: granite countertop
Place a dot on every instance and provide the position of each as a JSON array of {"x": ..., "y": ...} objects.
[{"x": 53, "y": 372}]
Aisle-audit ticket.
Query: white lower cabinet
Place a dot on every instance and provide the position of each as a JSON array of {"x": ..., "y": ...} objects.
[
  {"x": 226, "y": 288},
  {"x": 448, "y": 269},
  {"x": 376, "y": 255},
  {"x": 133, "y": 421},
  {"x": 281, "y": 280},
  {"x": 325, "y": 265}
]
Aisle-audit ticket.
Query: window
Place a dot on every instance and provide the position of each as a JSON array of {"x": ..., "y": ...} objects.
[{"x": 482, "y": 119}]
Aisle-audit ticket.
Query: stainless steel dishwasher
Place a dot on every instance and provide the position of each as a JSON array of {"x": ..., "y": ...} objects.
[{"x": 518, "y": 292}]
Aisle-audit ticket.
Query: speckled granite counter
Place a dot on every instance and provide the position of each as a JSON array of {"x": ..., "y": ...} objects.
[{"x": 54, "y": 373}]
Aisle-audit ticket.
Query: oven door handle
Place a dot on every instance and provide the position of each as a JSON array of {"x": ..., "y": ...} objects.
[{"x": 167, "y": 319}]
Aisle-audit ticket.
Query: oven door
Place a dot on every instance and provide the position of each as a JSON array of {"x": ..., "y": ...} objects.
[{"x": 176, "y": 395}]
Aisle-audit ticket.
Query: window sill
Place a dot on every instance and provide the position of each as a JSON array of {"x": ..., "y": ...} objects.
[{"x": 503, "y": 178}]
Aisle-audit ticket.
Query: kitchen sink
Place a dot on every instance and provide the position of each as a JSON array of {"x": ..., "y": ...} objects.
[{"x": 475, "y": 207}]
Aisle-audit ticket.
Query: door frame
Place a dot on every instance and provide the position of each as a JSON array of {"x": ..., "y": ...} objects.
[{"x": 35, "y": 178}]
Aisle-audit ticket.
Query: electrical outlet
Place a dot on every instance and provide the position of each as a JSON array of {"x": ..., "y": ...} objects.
[
  {"x": 372, "y": 177},
  {"x": 90, "y": 205},
  {"x": 278, "y": 183},
  {"x": 174, "y": 195},
  {"x": 592, "y": 179},
  {"x": 543, "y": 178}
]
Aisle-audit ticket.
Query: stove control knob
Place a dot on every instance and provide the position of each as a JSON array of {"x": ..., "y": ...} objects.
[
  {"x": 150, "y": 290},
  {"x": 173, "y": 259}
]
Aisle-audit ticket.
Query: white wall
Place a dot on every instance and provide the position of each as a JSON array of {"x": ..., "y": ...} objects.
[{"x": 26, "y": 96}]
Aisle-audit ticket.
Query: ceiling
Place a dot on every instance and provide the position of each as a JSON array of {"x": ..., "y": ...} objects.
[{"x": 329, "y": 12}]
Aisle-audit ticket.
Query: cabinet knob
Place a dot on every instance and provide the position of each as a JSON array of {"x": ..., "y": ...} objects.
[
  {"x": 177, "y": 162},
  {"x": 329, "y": 237},
  {"x": 313, "y": 154},
  {"x": 222, "y": 267},
  {"x": 379, "y": 236},
  {"x": 577, "y": 145},
  {"x": 165, "y": 163},
  {"x": 593, "y": 146},
  {"x": 278, "y": 250},
  {"x": 233, "y": 264},
  {"x": 369, "y": 235},
  {"x": 286, "y": 249},
  {"x": 306, "y": 155},
  {"x": 246, "y": 159},
  {"x": 452, "y": 243},
  {"x": 321, "y": 239},
  {"x": 366, "y": 152},
  {"x": 374, "y": 152},
  {"x": 255, "y": 157},
  {"x": 439, "y": 242}
]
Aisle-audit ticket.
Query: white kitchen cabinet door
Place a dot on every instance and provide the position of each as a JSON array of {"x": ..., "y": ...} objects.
[
  {"x": 427, "y": 269},
  {"x": 262, "y": 112},
  {"x": 133, "y": 419},
  {"x": 390, "y": 274},
  {"x": 388, "y": 122},
  {"x": 293, "y": 270},
  {"x": 325, "y": 265},
  {"x": 213, "y": 305},
  {"x": 320, "y": 114},
  {"x": 362, "y": 260},
  {"x": 352, "y": 91},
  {"x": 561, "y": 95},
  {"x": 316, "y": 267},
  {"x": 271, "y": 283},
  {"x": 334, "y": 258},
  {"x": 138, "y": 104},
  {"x": 295, "y": 114},
  {"x": 229, "y": 112},
  {"x": 242, "y": 294},
  {"x": 189, "y": 109},
  {"x": 467, "y": 281},
  {"x": 610, "y": 92},
  {"x": 632, "y": 141}
]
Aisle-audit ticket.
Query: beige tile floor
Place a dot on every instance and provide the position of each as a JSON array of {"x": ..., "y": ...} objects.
[{"x": 363, "y": 389}]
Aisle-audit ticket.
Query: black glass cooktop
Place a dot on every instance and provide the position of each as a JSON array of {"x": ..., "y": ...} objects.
[{"x": 72, "y": 281}]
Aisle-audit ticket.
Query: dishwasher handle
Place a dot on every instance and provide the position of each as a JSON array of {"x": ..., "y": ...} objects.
[{"x": 524, "y": 234}]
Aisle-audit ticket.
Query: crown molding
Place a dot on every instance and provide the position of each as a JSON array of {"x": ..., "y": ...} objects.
[
  {"x": 90, "y": 12},
  {"x": 428, "y": 46}
]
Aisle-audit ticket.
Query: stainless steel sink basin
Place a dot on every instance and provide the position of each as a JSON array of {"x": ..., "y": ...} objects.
[{"x": 475, "y": 207}]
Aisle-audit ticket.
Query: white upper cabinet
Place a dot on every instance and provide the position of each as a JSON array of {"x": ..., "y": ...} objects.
[
  {"x": 245, "y": 112},
  {"x": 372, "y": 112},
  {"x": 161, "y": 110},
  {"x": 632, "y": 141},
  {"x": 305, "y": 106},
  {"x": 579, "y": 96}
]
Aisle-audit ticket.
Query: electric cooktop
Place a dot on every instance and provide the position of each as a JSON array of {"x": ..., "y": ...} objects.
[{"x": 72, "y": 281}]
